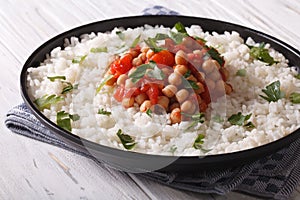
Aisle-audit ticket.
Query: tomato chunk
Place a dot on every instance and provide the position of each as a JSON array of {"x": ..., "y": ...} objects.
[
  {"x": 153, "y": 93},
  {"x": 122, "y": 65},
  {"x": 163, "y": 57}
]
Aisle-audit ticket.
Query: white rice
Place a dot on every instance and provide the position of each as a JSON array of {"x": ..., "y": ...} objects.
[{"x": 155, "y": 136}]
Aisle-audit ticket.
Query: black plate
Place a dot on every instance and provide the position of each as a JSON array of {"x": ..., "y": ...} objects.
[{"x": 137, "y": 162}]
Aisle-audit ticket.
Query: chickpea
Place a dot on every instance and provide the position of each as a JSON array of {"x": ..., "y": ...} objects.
[
  {"x": 210, "y": 84},
  {"x": 167, "y": 71},
  {"x": 220, "y": 87},
  {"x": 145, "y": 106},
  {"x": 139, "y": 99},
  {"x": 144, "y": 49},
  {"x": 225, "y": 73},
  {"x": 134, "y": 53},
  {"x": 174, "y": 105},
  {"x": 149, "y": 53},
  {"x": 131, "y": 71},
  {"x": 202, "y": 75},
  {"x": 181, "y": 69},
  {"x": 128, "y": 102},
  {"x": 129, "y": 83},
  {"x": 163, "y": 101},
  {"x": 175, "y": 116},
  {"x": 137, "y": 61},
  {"x": 180, "y": 58},
  {"x": 199, "y": 52},
  {"x": 188, "y": 41},
  {"x": 182, "y": 95},
  {"x": 228, "y": 88},
  {"x": 121, "y": 80},
  {"x": 191, "y": 78},
  {"x": 188, "y": 107},
  {"x": 200, "y": 88},
  {"x": 169, "y": 90},
  {"x": 111, "y": 81},
  {"x": 174, "y": 79},
  {"x": 215, "y": 75},
  {"x": 142, "y": 56},
  {"x": 209, "y": 66}
]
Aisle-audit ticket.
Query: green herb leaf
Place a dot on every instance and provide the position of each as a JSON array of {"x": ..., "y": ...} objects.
[
  {"x": 107, "y": 78},
  {"x": 149, "y": 112},
  {"x": 79, "y": 60},
  {"x": 187, "y": 74},
  {"x": 241, "y": 120},
  {"x": 140, "y": 71},
  {"x": 126, "y": 140},
  {"x": 173, "y": 148},
  {"x": 195, "y": 118},
  {"x": 249, "y": 125},
  {"x": 69, "y": 87},
  {"x": 98, "y": 50},
  {"x": 177, "y": 37},
  {"x": 241, "y": 72},
  {"x": 273, "y": 92},
  {"x": 180, "y": 28},
  {"x": 161, "y": 36},
  {"x": 218, "y": 119},
  {"x": 262, "y": 54},
  {"x": 101, "y": 111},
  {"x": 63, "y": 120},
  {"x": 121, "y": 35},
  {"x": 74, "y": 117},
  {"x": 199, "y": 141},
  {"x": 156, "y": 73},
  {"x": 199, "y": 38},
  {"x": 53, "y": 78},
  {"x": 135, "y": 42},
  {"x": 238, "y": 119},
  {"x": 295, "y": 97},
  {"x": 46, "y": 101},
  {"x": 214, "y": 54},
  {"x": 151, "y": 43},
  {"x": 297, "y": 76},
  {"x": 191, "y": 84}
]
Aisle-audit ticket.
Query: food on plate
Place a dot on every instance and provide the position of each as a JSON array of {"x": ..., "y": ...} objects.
[{"x": 168, "y": 91}]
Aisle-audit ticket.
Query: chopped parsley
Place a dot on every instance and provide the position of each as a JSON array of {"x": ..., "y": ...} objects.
[
  {"x": 79, "y": 60},
  {"x": 63, "y": 120},
  {"x": 199, "y": 141},
  {"x": 69, "y": 87},
  {"x": 241, "y": 72},
  {"x": 107, "y": 78},
  {"x": 195, "y": 118},
  {"x": 262, "y": 54},
  {"x": 173, "y": 148},
  {"x": 297, "y": 76},
  {"x": 295, "y": 97},
  {"x": 214, "y": 54},
  {"x": 126, "y": 140},
  {"x": 99, "y": 50},
  {"x": 273, "y": 92},
  {"x": 101, "y": 111},
  {"x": 46, "y": 101},
  {"x": 191, "y": 84},
  {"x": 151, "y": 42},
  {"x": 121, "y": 35},
  {"x": 135, "y": 41},
  {"x": 53, "y": 78},
  {"x": 241, "y": 120},
  {"x": 149, "y": 112},
  {"x": 180, "y": 28},
  {"x": 218, "y": 119},
  {"x": 142, "y": 70}
]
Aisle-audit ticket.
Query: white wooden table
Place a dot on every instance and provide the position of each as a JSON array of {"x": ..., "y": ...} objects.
[{"x": 34, "y": 170}]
